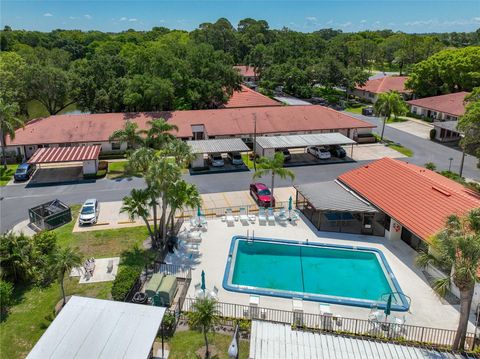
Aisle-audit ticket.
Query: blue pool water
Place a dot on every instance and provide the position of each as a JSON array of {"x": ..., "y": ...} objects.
[{"x": 337, "y": 274}]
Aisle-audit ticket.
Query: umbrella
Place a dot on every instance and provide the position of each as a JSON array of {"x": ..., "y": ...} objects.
[
  {"x": 290, "y": 205},
  {"x": 199, "y": 212},
  {"x": 203, "y": 287},
  {"x": 388, "y": 307}
]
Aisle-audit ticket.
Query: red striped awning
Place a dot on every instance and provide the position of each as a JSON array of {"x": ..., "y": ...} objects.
[{"x": 65, "y": 154}]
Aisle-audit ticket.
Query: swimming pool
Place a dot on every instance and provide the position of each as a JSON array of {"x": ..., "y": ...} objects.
[{"x": 347, "y": 275}]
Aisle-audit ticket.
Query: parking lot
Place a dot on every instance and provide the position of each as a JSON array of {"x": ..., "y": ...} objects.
[{"x": 110, "y": 216}]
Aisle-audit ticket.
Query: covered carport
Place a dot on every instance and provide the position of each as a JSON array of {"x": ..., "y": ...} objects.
[
  {"x": 61, "y": 164},
  {"x": 297, "y": 145},
  {"x": 203, "y": 148}
]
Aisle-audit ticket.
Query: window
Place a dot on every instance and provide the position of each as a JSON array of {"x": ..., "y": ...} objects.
[{"x": 115, "y": 146}]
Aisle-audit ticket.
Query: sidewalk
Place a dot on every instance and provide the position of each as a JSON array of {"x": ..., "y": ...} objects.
[{"x": 111, "y": 218}]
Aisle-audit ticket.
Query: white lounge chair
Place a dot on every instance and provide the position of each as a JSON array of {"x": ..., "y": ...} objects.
[
  {"x": 243, "y": 215},
  {"x": 294, "y": 216},
  {"x": 262, "y": 217},
  {"x": 282, "y": 215},
  {"x": 270, "y": 215},
  {"x": 215, "y": 291},
  {"x": 194, "y": 237},
  {"x": 229, "y": 216}
]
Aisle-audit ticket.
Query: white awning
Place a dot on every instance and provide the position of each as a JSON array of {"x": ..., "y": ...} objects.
[
  {"x": 221, "y": 145},
  {"x": 314, "y": 139},
  {"x": 94, "y": 328}
]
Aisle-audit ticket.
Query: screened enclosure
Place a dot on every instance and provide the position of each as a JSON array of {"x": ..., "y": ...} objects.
[
  {"x": 333, "y": 208},
  {"x": 50, "y": 215}
]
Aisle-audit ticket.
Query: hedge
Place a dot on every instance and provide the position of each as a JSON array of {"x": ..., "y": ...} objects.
[{"x": 126, "y": 278}]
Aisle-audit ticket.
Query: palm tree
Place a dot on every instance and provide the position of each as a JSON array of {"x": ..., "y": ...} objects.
[
  {"x": 181, "y": 152},
  {"x": 9, "y": 122},
  {"x": 138, "y": 205},
  {"x": 203, "y": 318},
  {"x": 388, "y": 104},
  {"x": 159, "y": 133},
  {"x": 274, "y": 166},
  {"x": 64, "y": 260},
  {"x": 139, "y": 161},
  {"x": 457, "y": 249},
  {"x": 182, "y": 194},
  {"x": 129, "y": 134}
]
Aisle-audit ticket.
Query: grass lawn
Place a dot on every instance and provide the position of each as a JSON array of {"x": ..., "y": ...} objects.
[
  {"x": 404, "y": 150},
  {"x": 32, "y": 314},
  {"x": 116, "y": 169},
  {"x": 396, "y": 119},
  {"x": 183, "y": 345},
  {"x": 7, "y": 175},
  {"x": 357, "y": 110}
]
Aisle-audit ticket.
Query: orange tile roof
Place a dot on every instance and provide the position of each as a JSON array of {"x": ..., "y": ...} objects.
[
  {"x": 249, "y": 98},
  {"x": 385, "y": 84},
  {"x": 419, "y": 199},
  {"x": 246, "y": 71},
  {"x": 452, "y": 103},
  {"x": 219, "y": 122}
]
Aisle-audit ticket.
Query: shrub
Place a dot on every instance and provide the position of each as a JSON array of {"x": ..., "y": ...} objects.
[
  {"x": 433, "y": 133},
  {"x": 6, "y": 296},
  {"x": 45, "y": 241},
  {"x": 124, "y": 281},
  {"x": 430, "y": 166}
]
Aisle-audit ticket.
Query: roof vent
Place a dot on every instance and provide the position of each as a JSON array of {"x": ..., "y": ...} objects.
[{"x": 442, "y": 191}]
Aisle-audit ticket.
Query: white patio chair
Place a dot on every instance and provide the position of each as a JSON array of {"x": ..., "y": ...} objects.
[
  {"x": 270, "y": 215},
  {"x": 195, "y": 237},
  {"x": 215, "y": 291},
  {"x": 282, "y": 215},
  {"x": 229, "y": 216},
  {"x": 198, "y": 286},
  {"x": 243, "y": 215},
  {"x": 262, "y": 217}
]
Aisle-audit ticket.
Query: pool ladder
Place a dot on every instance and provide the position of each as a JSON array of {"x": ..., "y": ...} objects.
[{"x": 250, "y": 239}]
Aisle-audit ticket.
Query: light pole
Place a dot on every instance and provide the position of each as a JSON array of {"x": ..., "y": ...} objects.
[
  {"x": 255, "y": 142},
  {"x": 450, "y": 164}
]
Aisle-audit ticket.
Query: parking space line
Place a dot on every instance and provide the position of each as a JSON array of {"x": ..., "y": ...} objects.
[{"x": 226, "y": 200}]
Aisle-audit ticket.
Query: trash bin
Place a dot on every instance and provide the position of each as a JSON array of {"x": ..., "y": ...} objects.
[{"x": 140, "y": 298}]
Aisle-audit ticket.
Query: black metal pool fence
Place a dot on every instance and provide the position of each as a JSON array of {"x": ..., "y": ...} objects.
[{"x": 395, "y": 333}]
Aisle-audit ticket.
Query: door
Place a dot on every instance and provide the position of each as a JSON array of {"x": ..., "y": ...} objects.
[{"x": 367, "y": 225}]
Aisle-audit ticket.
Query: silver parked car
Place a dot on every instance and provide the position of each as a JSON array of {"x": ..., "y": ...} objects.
[
  {"x": 235, "y": 158},
  {"x": 319, "y": 152},
  {"x": 216, "y": 160},
  {"x": 89, "y": 212}
]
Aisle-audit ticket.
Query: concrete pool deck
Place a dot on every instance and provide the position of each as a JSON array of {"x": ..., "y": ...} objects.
[{"x": 427, "y": 309}]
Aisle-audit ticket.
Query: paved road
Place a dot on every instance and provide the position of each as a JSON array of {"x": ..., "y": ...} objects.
[
  {"x": 425, "y": 150},
  {"x": 17, "y": 199}
]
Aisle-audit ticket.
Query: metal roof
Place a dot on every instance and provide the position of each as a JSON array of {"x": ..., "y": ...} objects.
[
  {"x": 218, "y": 145},
  {"x": 447, "y": 125},
  {"x": 332, "y": 196},
  {"x": 65, "y": 154},
  {"x": 314, "y": 139},
  {"x": 95, "y": 328},
  {"x": 271, "y": 341}
]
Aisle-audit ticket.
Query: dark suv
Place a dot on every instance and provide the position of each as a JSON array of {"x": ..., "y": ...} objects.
[
  {"x": 286, "y": 153},
  {"x": 337, "y": 151},
  {"x": 24, "y": 172}
]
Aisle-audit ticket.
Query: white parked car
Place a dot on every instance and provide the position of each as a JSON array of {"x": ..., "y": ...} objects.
[
  {"x": 216, "y": 161},
  {"x": 319, "y": 152},
  {"x": 89, "y": 212}
]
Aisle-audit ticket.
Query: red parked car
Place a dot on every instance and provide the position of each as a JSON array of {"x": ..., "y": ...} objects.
[{"x": 262, "y": 195}]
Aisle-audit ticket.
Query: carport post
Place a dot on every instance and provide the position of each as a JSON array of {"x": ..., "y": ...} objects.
[{"x": 351, "y": 152}]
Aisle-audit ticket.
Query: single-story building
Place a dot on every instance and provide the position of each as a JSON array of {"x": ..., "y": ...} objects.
[
  {"x": 416, "y": 202},
  {"x": 446, "y": 131},
  {"x": 372, "y": 88},
  {"x": 96, "y": 328},
  {"x": 95, "y": 129},
  {"x": 246, "y": 97},
  {"x": 447, "y": 107},
  {"x": 247, "y": 72}
]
